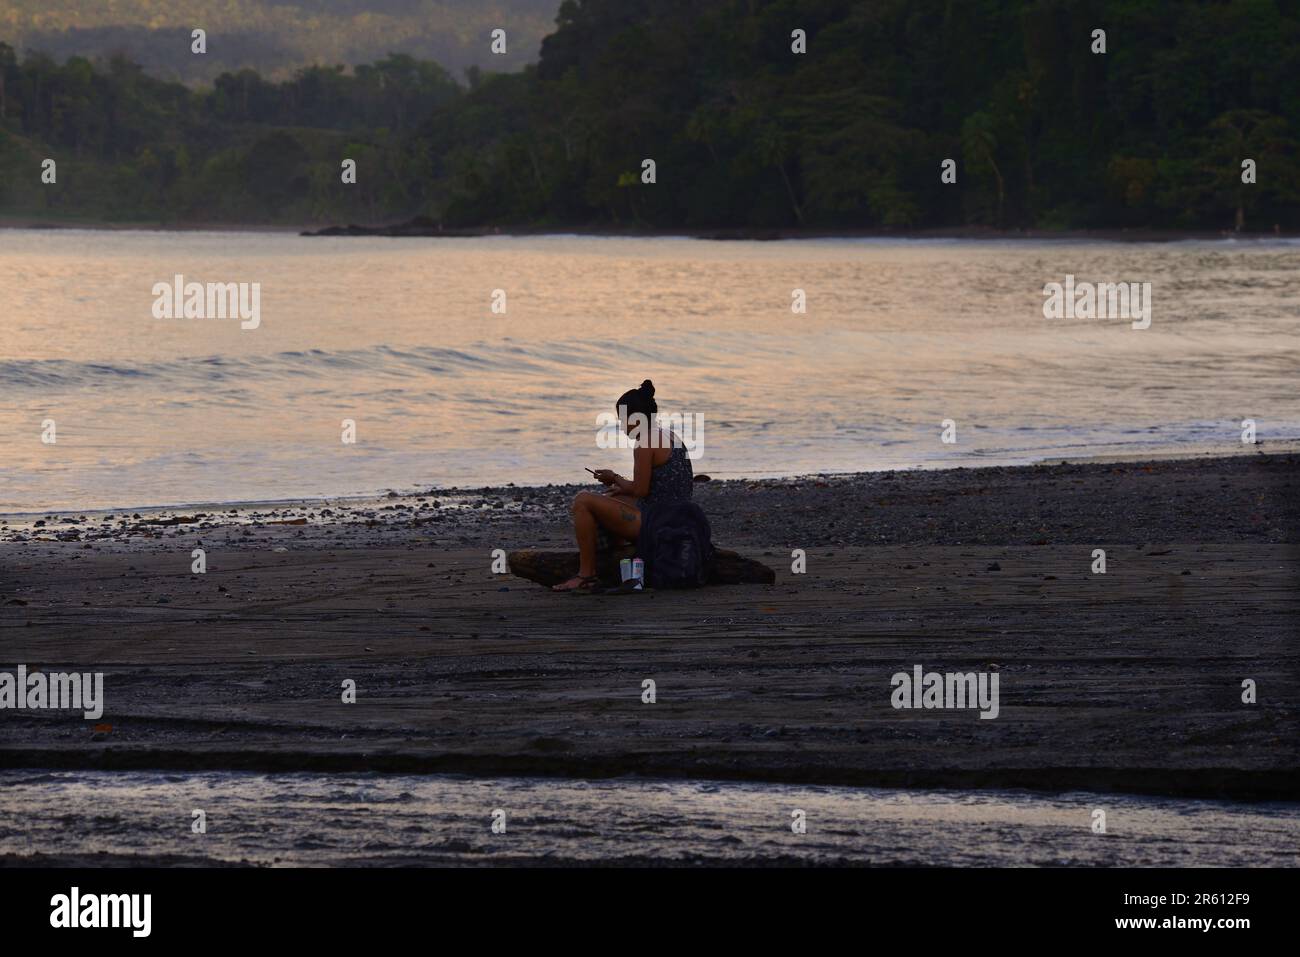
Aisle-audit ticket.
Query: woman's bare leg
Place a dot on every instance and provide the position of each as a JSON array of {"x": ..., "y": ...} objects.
[
  {"x": 631, "y": 506},
  {"x": 591, "y": 512}
]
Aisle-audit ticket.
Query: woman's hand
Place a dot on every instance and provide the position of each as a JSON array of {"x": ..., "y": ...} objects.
[{"x": 605, "y": 476}]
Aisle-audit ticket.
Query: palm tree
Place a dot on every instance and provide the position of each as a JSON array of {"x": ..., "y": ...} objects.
[
  {"x": 774, "y": 150},
  {"x": 1239, "y": 135},
  {"x": 979, "y": 146}
]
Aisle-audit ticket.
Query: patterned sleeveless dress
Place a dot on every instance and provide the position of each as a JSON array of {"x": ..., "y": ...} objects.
[{"x": 674, "y": 481}]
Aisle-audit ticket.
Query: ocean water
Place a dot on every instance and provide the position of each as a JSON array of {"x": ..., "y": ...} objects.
[
  {"x": 399, "y": 336},
  {"x": 93, "y": 817}
]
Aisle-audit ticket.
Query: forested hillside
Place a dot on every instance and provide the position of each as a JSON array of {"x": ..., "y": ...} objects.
[
  {"x": 744, "y": 132},
  {"x": 276, "y": 37}
]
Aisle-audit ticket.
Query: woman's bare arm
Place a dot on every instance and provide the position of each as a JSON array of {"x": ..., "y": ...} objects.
[{"x": 642, "y": 466}]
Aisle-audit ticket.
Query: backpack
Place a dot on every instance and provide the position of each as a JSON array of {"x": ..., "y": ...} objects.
[{"x": 676, "y": 545}]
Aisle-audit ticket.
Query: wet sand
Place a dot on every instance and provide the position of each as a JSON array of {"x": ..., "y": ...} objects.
[
  {"x": 138, "y": 818},
  {"x": 1127, "y": 681}
]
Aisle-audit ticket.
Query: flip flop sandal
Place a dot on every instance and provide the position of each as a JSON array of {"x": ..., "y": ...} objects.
[
  {"x": 586, "y": 585},
  {"x": 627, "y": 588}
]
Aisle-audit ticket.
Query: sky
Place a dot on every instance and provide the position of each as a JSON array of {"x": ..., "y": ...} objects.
[{"x": 276, "y": 37}]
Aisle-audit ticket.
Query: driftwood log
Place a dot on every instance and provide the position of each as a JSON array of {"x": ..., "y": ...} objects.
[{"x": 550, "y": 568}]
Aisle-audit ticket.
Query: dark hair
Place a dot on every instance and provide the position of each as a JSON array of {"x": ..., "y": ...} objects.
[{"x": 640, "y": 400}]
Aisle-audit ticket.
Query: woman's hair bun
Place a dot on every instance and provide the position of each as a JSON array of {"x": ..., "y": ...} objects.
[{"x": 640, "y": 400}]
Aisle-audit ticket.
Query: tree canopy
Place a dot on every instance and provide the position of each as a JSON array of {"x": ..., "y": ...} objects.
[{"x": 743, "y": 130}]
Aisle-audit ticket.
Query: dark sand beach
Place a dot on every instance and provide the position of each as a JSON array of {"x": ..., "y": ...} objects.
[{"x": 1125, "y": 681}]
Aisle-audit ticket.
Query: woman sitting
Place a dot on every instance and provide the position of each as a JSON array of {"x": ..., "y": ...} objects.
[{"x": 661, "y": 472}]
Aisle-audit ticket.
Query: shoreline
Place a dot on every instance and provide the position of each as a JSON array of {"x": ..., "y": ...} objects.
[
  {"x": 429, "y": 230},
  {"x": 296, "y": 819},
  {"x": 1228, "y": 783},
  {"x": 380, "y": 496}
]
